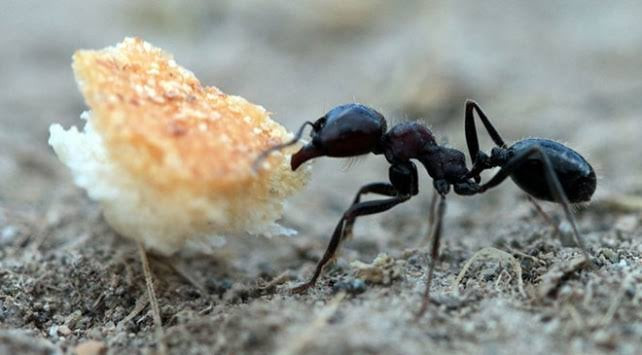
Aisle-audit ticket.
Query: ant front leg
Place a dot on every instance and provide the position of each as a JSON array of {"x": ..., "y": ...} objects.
[
  {"x": 479, "y": 160},
  {"x": 552, "y": 180},
  {"x": 404, "y": 184},
  {"x": 359, "y": 209},
  {"x": 381, "y": 188}
]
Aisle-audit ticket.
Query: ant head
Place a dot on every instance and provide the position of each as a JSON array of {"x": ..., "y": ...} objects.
[{"x": 345, "y": 131}]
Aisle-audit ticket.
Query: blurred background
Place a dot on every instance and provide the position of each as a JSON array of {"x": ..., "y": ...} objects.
[{"x": 566, "y": 70}]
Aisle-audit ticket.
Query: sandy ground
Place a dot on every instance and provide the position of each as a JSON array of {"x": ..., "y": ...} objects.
[{"x": 568, "y": 71}]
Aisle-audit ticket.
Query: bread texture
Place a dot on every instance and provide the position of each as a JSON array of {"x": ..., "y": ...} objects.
[{"x": 168, "y": 159}]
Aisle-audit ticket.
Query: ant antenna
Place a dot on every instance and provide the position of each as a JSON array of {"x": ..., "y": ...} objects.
[{"x": 265, "y": 154}]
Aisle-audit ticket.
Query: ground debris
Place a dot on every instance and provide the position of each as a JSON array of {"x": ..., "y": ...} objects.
[
  {"x": 300, "y": 340},
  {"x": 383, "y": 270},
  {"x": 20, "y": 342},
  {"x": 352, "y": 287},
  {"x": 553, "y": 279},
  {"x": 490, "y": 252}
]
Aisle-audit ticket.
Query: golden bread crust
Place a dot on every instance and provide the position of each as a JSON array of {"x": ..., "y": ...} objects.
[
  {"x": 160, "y": 124},
  {"x": 168, "y": 159}
]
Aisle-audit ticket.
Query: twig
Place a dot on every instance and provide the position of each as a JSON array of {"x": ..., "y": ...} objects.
[
  {"x": 140, "y": 305},
  {"x": 162, "y": 348},
  {"x": 180, "y": 271},
  {"x": 499, "y": 254},
  {"x": 279, "y": 279},
  {"x": 524, "y": 255}
]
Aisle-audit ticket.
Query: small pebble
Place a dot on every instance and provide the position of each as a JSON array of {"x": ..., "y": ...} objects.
[
  {"x": 73, "y": 318},
  {"x": 609, "y": 254},
  {"x": 353, "y": 287},
  {"x": 7, "y": 234},
  {"x": 490, "y": 273},
  {"x": 64, "y": 330},
  {"x": 53, "y": 331},
  {"x": 566, "y": 234},
  {"x": 383, "y": 270},
  {"x": 91, "y": 347},
  {"x": 94, "y": 333},
  {"x": 604, "y": 338}
]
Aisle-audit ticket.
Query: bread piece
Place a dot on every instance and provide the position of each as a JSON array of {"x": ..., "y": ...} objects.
[{"x": 169, "y": 159}]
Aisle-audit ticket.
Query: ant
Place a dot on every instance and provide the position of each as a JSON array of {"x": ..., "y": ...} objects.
[{"x": 544, "y": 169}]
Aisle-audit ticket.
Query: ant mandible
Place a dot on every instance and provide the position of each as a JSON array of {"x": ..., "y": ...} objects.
[{"x": 544, "y": 169}]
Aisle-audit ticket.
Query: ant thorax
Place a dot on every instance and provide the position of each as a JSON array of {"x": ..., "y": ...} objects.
[
  {"x": 406, "y": 141},
  {"x": 444, "y": 163}
]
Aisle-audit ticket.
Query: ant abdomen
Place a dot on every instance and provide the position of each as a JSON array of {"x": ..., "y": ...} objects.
[{"x": 575, "y": 174}]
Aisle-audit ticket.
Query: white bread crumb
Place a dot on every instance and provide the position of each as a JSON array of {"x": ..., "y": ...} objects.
[{"x": 169, "y": 160}]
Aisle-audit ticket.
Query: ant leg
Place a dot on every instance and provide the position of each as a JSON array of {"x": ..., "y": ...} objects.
[
  {"x": 553, "y": 184},
  {"x": 544, "y": 215},
  {"x": 381, "y": 188},
  {"x": 471, "y": 131},
  {"x": 436, "y": 236},
  {"x": 360, "y": 209},
  {"x": 433, "y": 205},
  {"x": 471, "y": 137},
  {"x": 431, "y": 216},
  {"x": 153, "y": 301}
]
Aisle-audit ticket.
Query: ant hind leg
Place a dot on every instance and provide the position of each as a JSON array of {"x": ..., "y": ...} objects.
[
  {"x": 479, "y": 160},
  {"x": 547, "y": 218},
  {"x": 553, "y": 184},
  {"x": 471, "y": 131}
]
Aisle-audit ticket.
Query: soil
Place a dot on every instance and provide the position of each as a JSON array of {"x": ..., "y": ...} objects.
[{"x": 568, "y": 71}]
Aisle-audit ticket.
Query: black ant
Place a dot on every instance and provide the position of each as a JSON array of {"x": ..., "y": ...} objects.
[{"x": 544, "y": 169}]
